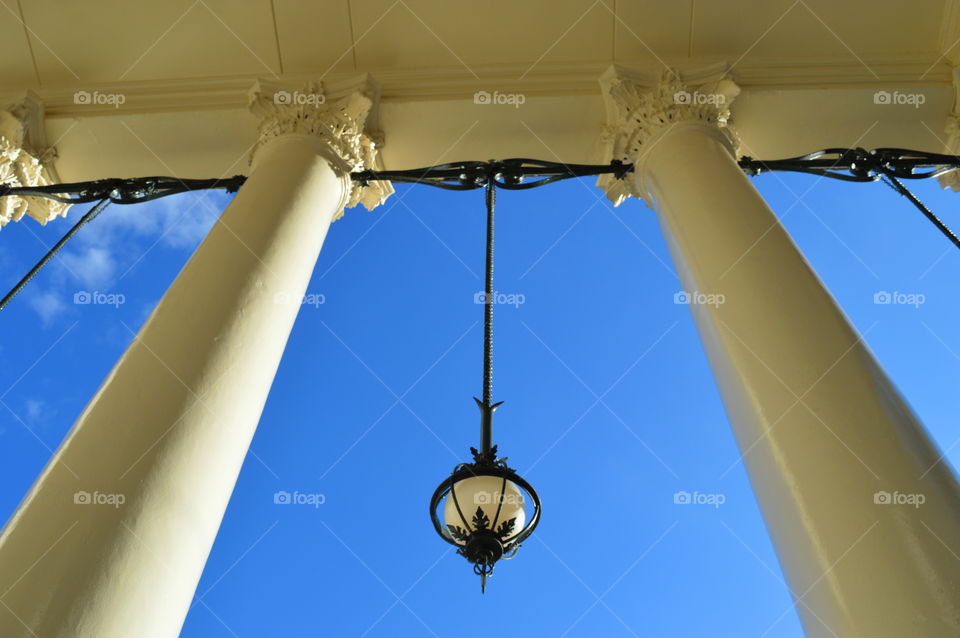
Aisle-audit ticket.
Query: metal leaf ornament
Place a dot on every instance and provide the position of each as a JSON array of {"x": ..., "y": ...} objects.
[
  {"x": 458, "y": 533},
  {"x": 506, "y": 528},
  {"x": 480, "y": 519}
]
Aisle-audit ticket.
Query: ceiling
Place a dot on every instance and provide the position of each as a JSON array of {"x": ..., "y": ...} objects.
[{"x": 184, "y": 68}]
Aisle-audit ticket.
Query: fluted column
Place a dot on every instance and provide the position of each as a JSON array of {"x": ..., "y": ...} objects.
[
  {"x": 864, "y": 516},
  {"x": 111, "y": 540}
]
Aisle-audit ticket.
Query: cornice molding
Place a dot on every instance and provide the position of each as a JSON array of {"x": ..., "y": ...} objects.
[
  {"x": 642, "y": 106},
  {"x": 454, "y": 83},
  {"x": 342, "y": 116},
  {"x": 26, "y": 160}
]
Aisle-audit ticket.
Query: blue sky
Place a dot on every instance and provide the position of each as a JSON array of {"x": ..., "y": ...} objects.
[{"x": 610, "y": 405}]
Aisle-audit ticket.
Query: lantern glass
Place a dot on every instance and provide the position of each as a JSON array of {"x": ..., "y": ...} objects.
[{"x": 485, "y": 502}]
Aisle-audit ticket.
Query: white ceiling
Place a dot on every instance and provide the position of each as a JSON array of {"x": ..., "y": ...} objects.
[
  {"x": 52, "y": 43},
  {"x": 185, "y": 66}
]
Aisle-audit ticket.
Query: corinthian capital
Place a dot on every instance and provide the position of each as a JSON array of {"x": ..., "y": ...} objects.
[
  {"x": 343, "y": 116},
  {"x": 641, "y": 106},
  {"x": 951, "y": 179},
  {"x": 26, "y": 160}
]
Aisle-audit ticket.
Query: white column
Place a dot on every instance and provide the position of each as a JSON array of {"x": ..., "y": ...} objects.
[
  {"x": 169, "y": 429},
  {"x": 823, "y": 432}
]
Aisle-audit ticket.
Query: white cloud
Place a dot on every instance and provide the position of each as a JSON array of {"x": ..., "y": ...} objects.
[
  {"x": 177, "y": 222},
  {"x": 48, "y": 305},
  {"x": 35, "y": 409},
  {"x": 94, "y": 266}
]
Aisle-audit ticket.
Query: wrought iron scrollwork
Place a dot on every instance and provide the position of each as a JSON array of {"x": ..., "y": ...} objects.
[
  {"x": 132, "y": 190},
  {"x": 848, "y": 164},
  {"x": 509, "y": 174},
  {"x": 860, "y": 165}
]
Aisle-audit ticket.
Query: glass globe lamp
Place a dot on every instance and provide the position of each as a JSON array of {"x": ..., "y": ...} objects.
[{"x": 488, "y": 510}]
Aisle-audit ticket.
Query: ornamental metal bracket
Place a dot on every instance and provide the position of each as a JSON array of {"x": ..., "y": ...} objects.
[
  {"x": 511, "y": 174},
  {"x": 847, "y": 164},
  {"x": 888, "y": 165},
  {"x": 133, "y": 190},
  {"x": 859, "y": 165}
]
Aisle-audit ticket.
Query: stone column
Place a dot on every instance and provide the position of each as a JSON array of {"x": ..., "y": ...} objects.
[
  {"x": 864, "y": 515},
  {"x": 111, "y": 540}
]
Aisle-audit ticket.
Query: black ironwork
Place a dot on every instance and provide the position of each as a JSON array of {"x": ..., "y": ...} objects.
[
  {"x": 511, "y": 174},
  {"x": 859, "y": 165},
  {"x": 888, "y": 165},
  {"x": 133, "y": 190},
  {"x": 847, "y": 164}
]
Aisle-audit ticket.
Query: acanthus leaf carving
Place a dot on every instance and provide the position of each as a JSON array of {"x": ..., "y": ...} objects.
[
  {"x": 951, "y": 179},
  {"x": 345, "y": 122},
  {"x": 26, "y": 160},
  {"x": 639, "y": 106}
]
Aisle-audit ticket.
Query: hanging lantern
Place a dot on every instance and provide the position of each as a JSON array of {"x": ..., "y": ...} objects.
[{"x": 488, "y": 509}]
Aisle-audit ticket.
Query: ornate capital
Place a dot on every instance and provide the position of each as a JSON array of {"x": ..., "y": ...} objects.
[
  {"x": 26, "y": 160},
  {"x": 343, "y": 117},
  {"x": 951, "y": 180},
  {"x": 640, "y": 106}
]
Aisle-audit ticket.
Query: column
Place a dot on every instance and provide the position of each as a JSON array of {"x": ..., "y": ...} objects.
[
  {"x": 828, "y": 442},
  {"x": 111, "y": 540}
]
